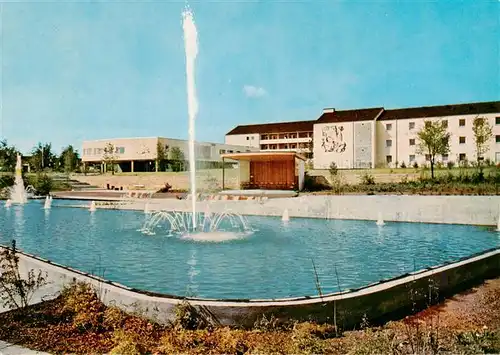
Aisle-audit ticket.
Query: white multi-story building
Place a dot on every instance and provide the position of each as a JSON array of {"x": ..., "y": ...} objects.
[
  {"x": 372, "y": 137},
  {"x": 140, "y": 154},
  {"x": 286, "y": 136}
]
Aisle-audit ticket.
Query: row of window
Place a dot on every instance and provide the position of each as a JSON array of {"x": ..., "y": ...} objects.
[
  {"x": 286, "y": 135},
  {"x": 100, "y": 151},
  {"x": 411, "y": 158},
  {"x": 224, "y": 151},
  {"x": 461, "y": 123},
  {"x": 461, "y": 140},
  {"x": 284, "y": 146}
]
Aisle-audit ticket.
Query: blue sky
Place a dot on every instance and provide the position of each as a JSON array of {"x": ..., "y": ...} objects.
[{"x": 73, "y": 71}]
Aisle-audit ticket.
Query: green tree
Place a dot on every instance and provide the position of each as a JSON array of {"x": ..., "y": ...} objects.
[
  {"x": 177, "y": 157},
  {"x": 161, "y": 155},
  {"x": 8, "y": 156},
  {"x": 42, "y": 157},
  {"x": 69, "y": 159},
  {"x": 109, "y": 157},
  {"x": 433, "y": 140},
  {"x": 483, "y": 132}
]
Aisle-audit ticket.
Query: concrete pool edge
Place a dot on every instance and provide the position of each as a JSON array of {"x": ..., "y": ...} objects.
[
  {"x": 384, "y": 299},
  {"x": 464, "y": 210}
]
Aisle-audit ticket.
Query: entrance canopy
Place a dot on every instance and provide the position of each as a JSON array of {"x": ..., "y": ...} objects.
[{"x": 268, "y": 170}]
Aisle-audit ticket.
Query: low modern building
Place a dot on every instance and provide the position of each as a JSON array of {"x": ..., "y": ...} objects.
[
  {"x": 141, "y": 154},
  {"x": 376, "y": 137}
]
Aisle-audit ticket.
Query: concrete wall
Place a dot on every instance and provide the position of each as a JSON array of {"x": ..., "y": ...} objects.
[
  {"x": 244, "y": 171},
  {"x": 251, "y": 140},
  {"x": 380, "y": 301},
  {"x": 474, "y": 210}
]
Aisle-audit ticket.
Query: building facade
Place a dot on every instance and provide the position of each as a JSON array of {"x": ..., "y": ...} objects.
[
  {"x": 378, "y": 137},
  {"x": 284, "y": 137},
  {"x": 141, "y": 154}
]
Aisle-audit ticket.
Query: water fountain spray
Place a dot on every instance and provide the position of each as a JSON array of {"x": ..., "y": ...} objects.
[
  {"x": 18, "y": 193},
  {"x": 191, "y": 47}
]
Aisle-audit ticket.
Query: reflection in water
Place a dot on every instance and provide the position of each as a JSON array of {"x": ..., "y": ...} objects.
[
  {"x": 92, "y": 221},
  {"x": 192, "y": 287},
  {"x": 46, "y": 219},
  {"x": 19, "y": 221}
]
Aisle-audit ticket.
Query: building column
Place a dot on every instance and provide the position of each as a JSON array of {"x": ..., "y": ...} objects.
[
  {"x": 131, "y": 166},
  {"x": 374, "y": 143},
  {"x": 156, "y": 165},
  {"x": 223, "y": 170}
]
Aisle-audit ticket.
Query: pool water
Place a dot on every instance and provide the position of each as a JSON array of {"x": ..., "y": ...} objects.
[{"x": 275, "y": 261}]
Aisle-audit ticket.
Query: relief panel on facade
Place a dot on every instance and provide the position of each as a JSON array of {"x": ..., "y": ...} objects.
[
  {"x": 362, "y": 145},
  {"x": 332, "y": 139}
]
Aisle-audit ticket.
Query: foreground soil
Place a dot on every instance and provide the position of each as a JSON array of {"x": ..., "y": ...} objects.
[{"x": 77, "y": 322}]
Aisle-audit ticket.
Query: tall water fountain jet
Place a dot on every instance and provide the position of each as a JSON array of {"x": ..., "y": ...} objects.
[
  {"x": 17, "y": 193},
  {"x": 92, "y": 207},
  {"x": 191, "y": 47}
]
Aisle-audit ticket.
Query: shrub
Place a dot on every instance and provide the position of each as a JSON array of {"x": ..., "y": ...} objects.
[
  {"x": 306, "y": 341},
  {"x": 315, "y": 183},
  {"x": 188, "y": 317},
  {"x": 126, "y": 344},
  {"x": 477, "y": 177},
  {"x": 403, "y": 165},
  {"x": 81, "y": 300},
  {"x": 333, "y": 170},
  {"x": 15, "y": 291},
  {"x": 450, "y": 165},
  {"x": 6, "y": 181},
  {"x": 367, "y": 179},
  {"x": 113, "y": 318},
  {"x": 43, "y": 184},
  {"x": 415, "y": 165},
  {"x": 165, "y": 188}
]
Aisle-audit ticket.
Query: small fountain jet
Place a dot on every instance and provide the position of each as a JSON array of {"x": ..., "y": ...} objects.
[
  {"x": 380, "y": 221},
  {"x": 92, "y": 207},
  {"x": 286, "y": 216},
  {"x": 8, "y": 203},
  {"x": 48, "y": 203}
]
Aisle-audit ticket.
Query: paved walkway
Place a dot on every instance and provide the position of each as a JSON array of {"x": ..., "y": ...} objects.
[{"x": 10, "y": 349}]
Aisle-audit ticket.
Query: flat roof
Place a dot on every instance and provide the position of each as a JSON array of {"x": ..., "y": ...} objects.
[
  {"x": 262, "y": 155},
  {"x": 275, "y": 127}
]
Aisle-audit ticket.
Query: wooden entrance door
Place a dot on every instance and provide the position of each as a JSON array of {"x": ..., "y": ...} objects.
[{"x": 273, "y": 174}]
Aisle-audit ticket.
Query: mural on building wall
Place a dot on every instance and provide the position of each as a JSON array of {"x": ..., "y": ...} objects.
[{"x": 332, "y": 139}]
